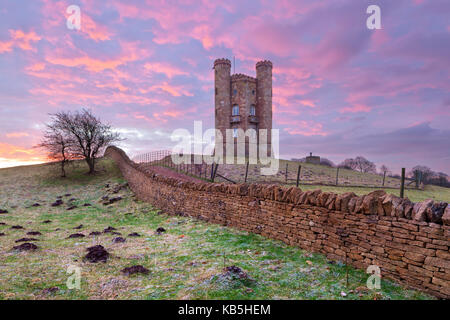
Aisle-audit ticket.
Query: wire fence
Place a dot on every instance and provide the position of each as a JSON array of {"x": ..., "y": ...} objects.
[
  {"x": 164, "y": 158},
  {"x": 289, "y": 173}
]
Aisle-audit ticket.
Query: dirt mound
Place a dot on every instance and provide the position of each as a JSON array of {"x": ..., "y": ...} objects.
[
  {"x": 50, "y": 290},
  {"x": 160, "y": 230},
  {"x": 36, "y": 204},
  {"x": 232, "y": 277},
  {"x": 57, "y": 203},
  {"x": 71, "y": 208},
  {"x": 26, "y": 247},
  {"x": 111, "y": 201},
  {"x": 79, "y": 227},
  {"x": 2, "y": 224},
  {"x": 2, "y": 211},
  {"x": 96, "y": 253},
  {"x": 34, "y": 233},
  {"x": 95, "y": 233},
  {"x": 134, "y": 234},
  {"x": 26, "y": 240},
  {"x": 135, "y": 269},
  {"x": 235, "y": 271},
  {"x": 2, "y": 234},
  {"x": 119, "y": 240},
  {"x": 109, "y": 229},
  {"x": 87, "y": 205},
  {"x": 76, "y": 235},
  {"x": 17, "y": 227},
  {"x": 47, "y": 221}
]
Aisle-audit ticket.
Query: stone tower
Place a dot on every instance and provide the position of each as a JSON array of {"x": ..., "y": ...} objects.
[{"x": 243, "y": 102}]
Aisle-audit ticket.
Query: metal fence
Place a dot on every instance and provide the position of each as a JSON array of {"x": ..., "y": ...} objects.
[
  {"x": 152, "y": 157},
  {"x": 163, "y": 158},
  {"x": 288, "y": 174}
]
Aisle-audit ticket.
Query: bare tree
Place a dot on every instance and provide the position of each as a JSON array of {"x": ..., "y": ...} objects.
[
  {"x": 58, "y": 147},
  {"x": 89, "y": 135},
  {"x": 348, "y": 164},
  {"x": 423, "y": 173},
  {"x": 364, "y": 165},
  {"x": 359, "y": 163},
  {"x": 440, "y": 179},
  {"x": 384, "y": 170}
]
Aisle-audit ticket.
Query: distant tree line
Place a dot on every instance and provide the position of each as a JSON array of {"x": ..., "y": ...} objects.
[
  {"x": 427, "y": 176},
  {"x": 78, "y": 135},
  {"x": 422, "y": 173}
]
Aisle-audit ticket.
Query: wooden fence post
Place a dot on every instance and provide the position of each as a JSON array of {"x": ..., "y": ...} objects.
[
  {"x": 246, "y": 172},
  {"x": 416, "y": 174},
  {"x": 384, "y": 177},
  {"x": 212, "y": 172},
  {"x": 286, "y": 171},
  {"x": 215, "y": 171},
  {"x": 402, "y": 184},
  {"x": 298, "y": 174},
  {"x": 337, "y": 176}
]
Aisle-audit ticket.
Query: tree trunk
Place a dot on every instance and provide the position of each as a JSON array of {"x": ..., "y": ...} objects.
[
  {"x": 91, "y": 164},
  {"x": 63, "y": 173}
]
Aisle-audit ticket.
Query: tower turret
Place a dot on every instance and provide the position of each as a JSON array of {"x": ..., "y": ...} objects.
[
  {"x": 264, "y": 98},
  {"x": 222, "y": 97}
]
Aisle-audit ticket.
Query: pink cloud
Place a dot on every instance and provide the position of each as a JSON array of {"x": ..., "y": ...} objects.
[
  {"x": 301, "y": 127},
  {"x": 130, "y": 52},
  {"x": 308, "y": 103},
  {"x": 13, "y": 152},
  {"x": 20, "y": 39},
  {"x": 94, "y": 30},
  {"x": 175, "y": 91},
  {"x": 355, "y": 108},
  {"x": 17, "y": 135},
  {"x": 169, "y": 70}
]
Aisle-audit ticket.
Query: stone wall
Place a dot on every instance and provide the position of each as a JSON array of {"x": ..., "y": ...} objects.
[{"x": 409, "y": 242}]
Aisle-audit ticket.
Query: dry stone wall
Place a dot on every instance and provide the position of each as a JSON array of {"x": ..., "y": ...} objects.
[{"x": 408, "y": 241}]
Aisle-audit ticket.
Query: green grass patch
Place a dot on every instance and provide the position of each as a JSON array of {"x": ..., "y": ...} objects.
[{"x": 186, "y": 262}]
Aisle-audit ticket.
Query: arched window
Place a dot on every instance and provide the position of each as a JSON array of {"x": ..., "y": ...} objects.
[
  {"x": 235, "y": 132},
  {"x": 235, "y": 110},
  {"x": 252, "y": 110}
]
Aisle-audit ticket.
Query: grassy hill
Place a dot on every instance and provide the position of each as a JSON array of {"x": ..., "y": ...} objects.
[
  {"x": 313, "y": 177},
  {"x": 185, "y": 262}
]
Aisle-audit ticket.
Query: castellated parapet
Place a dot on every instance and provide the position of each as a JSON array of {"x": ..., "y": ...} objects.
[{"x": 243, "y": 102}]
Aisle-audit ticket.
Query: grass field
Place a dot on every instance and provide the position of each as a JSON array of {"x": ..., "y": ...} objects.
[
  {"x": 185, "y": 262},
  {"x": 315, "y": 177}
]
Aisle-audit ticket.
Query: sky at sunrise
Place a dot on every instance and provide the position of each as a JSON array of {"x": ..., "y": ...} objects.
[{"x": 339, "y": 89}]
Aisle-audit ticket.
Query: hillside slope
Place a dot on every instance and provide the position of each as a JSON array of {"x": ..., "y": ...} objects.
[{"x": 185, "y": 262}]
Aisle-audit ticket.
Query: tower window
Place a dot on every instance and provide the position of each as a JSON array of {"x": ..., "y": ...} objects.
[
  {"x": 235, "y": 110},
  {"x": 252, "y": 110},
  {"x": 235, "y": 132},
  {"x": 234, "y": 92},
  {"x": 253, "y": 92},
  {"x": 216, "y": 90}
]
